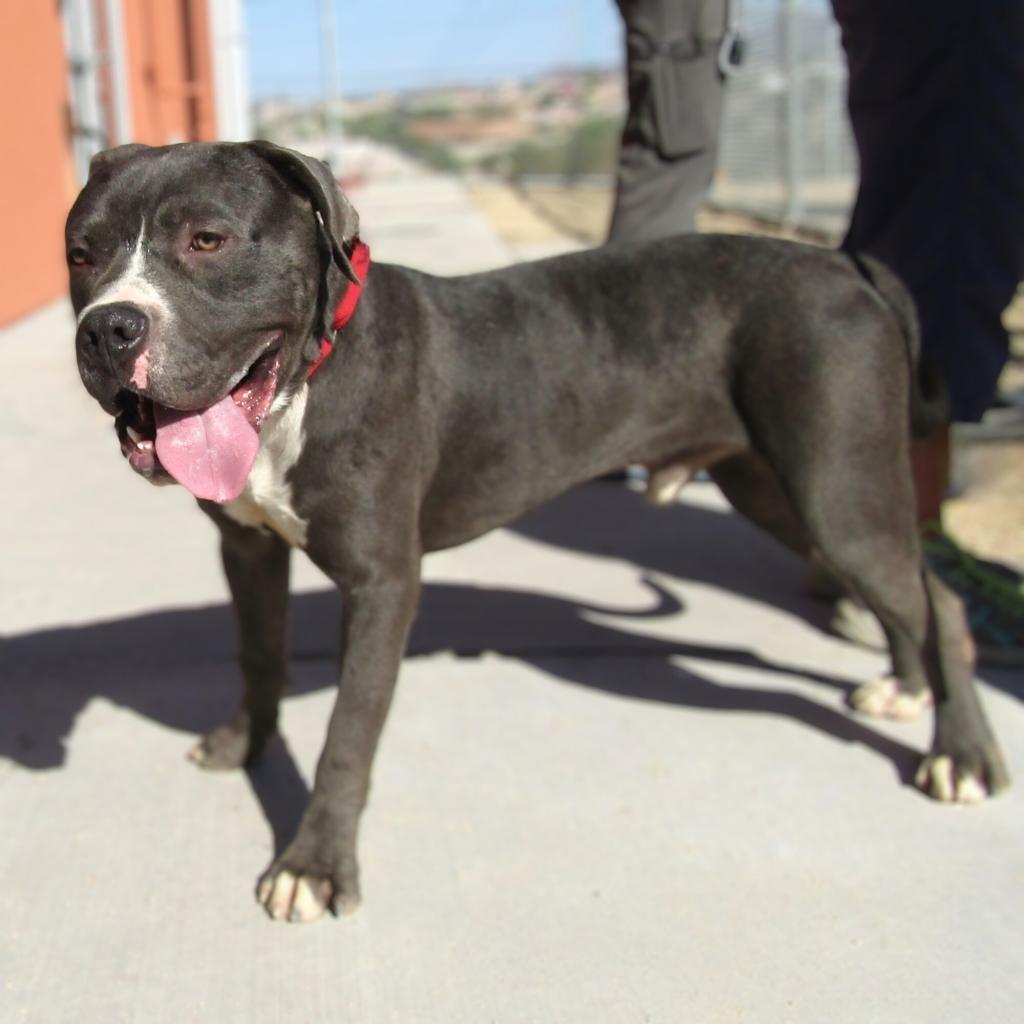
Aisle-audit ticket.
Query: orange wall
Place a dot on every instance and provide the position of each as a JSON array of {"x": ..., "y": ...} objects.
[
  {"x": 36, "y": 177},
  {"x": 172, "y": 99}
]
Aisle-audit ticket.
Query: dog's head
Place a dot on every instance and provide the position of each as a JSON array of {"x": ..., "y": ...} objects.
[{"x": 203, "y": 277}]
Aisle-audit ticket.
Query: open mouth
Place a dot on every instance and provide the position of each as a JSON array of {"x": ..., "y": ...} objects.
[{"x": 209, "y": 451}]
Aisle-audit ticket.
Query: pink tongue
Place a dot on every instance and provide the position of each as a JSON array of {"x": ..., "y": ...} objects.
[{"x": 210, "y": 452}]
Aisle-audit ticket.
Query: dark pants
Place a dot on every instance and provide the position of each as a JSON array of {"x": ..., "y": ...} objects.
[
  {"x": 936, "y": 99},
  {"x": 670, "y": 138}
]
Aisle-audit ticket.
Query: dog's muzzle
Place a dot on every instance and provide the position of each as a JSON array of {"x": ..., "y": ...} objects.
[{"x": 115, "y": 333}]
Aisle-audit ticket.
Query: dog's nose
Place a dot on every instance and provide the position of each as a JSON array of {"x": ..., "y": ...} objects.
[{"x": 118, "y": 328}]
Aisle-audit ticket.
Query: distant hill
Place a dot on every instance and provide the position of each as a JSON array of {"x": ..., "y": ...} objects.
[{"x": 568, "y": 120}]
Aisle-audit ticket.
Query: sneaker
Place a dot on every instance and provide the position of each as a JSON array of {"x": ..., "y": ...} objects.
[
  {"x": 960, "y": 570},
  {"x": 992, "y": 595}
]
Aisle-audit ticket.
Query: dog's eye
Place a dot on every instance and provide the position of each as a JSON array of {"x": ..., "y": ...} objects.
[
  {"x": 206, "y": 241},
  {"x": 78, "y": 256}
]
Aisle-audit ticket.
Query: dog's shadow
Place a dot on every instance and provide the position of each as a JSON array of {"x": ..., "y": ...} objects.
[
  {"x": 177, "y": 667},
  {"x": 716, "y": 547}
]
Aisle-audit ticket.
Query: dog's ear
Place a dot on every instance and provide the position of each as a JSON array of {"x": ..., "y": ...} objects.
[
  {"x": 106, "y": 160},
  {"x": 313, "y": 178}
]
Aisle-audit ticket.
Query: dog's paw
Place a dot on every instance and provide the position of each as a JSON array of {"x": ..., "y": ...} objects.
[
  {"x": 885, "y": 698},
  {"x": 288, "y": 893},
  {"x": 229, "y": 746},
  {"x": 969, "y": 779}
]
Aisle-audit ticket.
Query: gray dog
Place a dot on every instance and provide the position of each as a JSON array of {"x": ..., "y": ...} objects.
[{"x": 211, "y": 282}]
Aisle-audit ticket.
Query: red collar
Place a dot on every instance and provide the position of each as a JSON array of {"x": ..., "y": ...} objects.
[{"x": 347, "y": 306}]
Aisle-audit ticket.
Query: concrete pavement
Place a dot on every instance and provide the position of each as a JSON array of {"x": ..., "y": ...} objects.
[{"x": 619, "y": 782}]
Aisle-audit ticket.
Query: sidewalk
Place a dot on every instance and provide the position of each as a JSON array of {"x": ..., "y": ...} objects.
[{"x": 619, "y": 783}]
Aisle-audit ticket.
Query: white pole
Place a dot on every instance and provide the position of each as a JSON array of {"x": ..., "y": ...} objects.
[
  {"x": 122, "y": 127},
  {"x": 230, "y": 70},
  {"x": 88, "y": 130},
  {"x": 331, "y": 92}
]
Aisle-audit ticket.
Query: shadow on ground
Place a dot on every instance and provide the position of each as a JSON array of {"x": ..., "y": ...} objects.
[
  {"x": 177, "y": 667},
  {"x": 719, "y": 548},
  {"x": 701, "y": 544}
]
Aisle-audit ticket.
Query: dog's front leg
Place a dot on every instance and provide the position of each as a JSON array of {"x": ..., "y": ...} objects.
[
  {"x": 319, "y": 869},
  {"x": 256, "y": 564}
]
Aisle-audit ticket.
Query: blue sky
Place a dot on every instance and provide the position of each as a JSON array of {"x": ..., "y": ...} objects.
[{"x": 396, "y": 44}]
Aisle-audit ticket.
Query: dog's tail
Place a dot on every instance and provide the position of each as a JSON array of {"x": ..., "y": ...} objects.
[{"x": 929, "y": 400}]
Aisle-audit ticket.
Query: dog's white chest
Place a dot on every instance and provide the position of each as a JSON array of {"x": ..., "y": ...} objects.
[{"x": 267, "y": 498}]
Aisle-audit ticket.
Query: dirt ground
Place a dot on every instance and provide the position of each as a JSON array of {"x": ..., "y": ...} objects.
[
  {"x": 582, "y": 212},
  {"x": 986, "y": 514}
]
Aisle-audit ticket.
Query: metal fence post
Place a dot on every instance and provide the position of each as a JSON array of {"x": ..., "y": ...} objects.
[
  {"x": 88, "y": 130},
  {"x": 332, "y": 92},
  {"x": 792, "y": 111}
]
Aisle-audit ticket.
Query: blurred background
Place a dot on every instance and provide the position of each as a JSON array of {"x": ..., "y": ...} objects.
[
  {"x": 520, "y": 102},
  {"x": 468, "y": 136}
]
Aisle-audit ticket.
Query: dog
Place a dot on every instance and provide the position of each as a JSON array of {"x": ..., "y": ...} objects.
[{"x": 229, "y": 319}]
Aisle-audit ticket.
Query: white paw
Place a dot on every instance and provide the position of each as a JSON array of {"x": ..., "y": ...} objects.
[
  {"x": 940, "y": 778},
  {"x": 885, "y": 698},
  {"x": 299, "y": 900}
]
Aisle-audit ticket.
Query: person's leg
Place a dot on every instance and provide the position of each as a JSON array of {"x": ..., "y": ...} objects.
[
  {"x": 670, "y": 138},
  {"x": 930, "y": 462},
  {"x": 669, "y": 143},
  {"x": 936, "y": 99}
]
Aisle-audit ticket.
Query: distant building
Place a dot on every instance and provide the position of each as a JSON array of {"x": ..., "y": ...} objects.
[{"x": 82, "y": 75}]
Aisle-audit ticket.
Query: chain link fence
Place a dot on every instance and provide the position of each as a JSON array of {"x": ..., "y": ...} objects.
[{"x": 787, "y": 153}]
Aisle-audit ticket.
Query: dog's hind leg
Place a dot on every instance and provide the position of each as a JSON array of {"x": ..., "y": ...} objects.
[
  {"x": 256, "y": 565},
  {"x": 859, "y": 514},
  {"x": 831, "y": 423},
  {"x": 932, "y": 662},
  {"x": 753, "y": 489}
]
